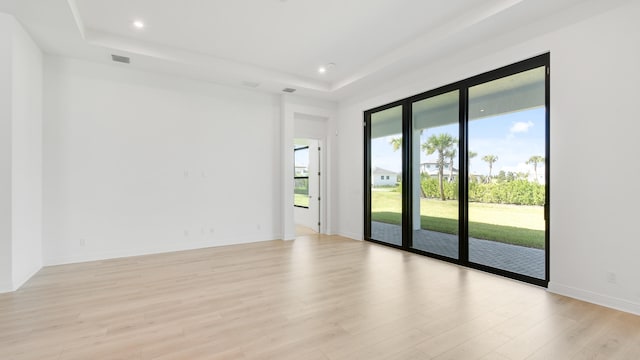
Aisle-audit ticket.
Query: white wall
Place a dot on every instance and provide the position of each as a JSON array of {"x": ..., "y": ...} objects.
[
  {"x": 20, "y": 155},
  {"x": 140, "y": 163},
  {"x": 5, "y": 153},
  {"x": 27, "y": 157},
  {"x": 594, "y": 91}
]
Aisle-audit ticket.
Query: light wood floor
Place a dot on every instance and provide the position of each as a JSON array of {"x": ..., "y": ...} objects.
[
  {"x": 313, "y": 298},
  {"x": 305, "y": 231}
]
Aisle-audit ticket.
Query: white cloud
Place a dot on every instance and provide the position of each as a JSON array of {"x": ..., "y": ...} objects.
[{"x": 520, "y": 127}]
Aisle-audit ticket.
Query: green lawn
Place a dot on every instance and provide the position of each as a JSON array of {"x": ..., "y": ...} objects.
[
  {"x": 512, "y": 224},
  {"x": 301, "y": 200}
]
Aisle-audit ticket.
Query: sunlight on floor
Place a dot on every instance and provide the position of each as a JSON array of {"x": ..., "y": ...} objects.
[{"x": 304, "y": 231}]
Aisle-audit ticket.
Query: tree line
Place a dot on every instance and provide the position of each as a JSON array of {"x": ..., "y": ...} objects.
[{"x": 445, "y": 145}]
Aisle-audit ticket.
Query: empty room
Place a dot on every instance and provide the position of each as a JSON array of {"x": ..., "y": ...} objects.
[{"x": 322, "y": 180}]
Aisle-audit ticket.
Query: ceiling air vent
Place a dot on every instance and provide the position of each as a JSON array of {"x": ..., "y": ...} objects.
[
  {"x": 120, "y": 59},
  {"x": 288, "y": 90}
]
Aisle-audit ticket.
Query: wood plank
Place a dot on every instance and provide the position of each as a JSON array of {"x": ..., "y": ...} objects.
[{"x": 317, "y": 298}]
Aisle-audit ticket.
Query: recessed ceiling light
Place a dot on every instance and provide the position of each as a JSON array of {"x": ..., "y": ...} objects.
[
  {"x": 325, "y": 68},
  {"x": 138, "y": 24}
]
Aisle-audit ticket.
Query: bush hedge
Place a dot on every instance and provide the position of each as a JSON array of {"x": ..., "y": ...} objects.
[{"x": 518, "y": 192}]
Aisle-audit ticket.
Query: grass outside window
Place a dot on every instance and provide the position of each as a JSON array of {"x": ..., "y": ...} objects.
[{"x": 512, "y": 224}]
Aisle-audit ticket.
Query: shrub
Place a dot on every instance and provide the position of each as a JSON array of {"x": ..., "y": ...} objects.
[
  {"x": 518, "y": 192},
  {"x": 431, "y": 188}
]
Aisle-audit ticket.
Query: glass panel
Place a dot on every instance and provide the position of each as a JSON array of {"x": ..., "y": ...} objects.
[
  {"x": 386, "y": 177},
  {"x": 301, "y": 192},
  {"x": 301, "y": 177},
  {"x": 507, "y": 128},
  {"x": 435, "y": 175},
  {"x": 301, "y": 161}
]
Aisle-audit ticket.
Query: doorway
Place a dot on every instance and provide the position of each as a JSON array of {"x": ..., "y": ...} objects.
[{"x": 307, "y": 180}]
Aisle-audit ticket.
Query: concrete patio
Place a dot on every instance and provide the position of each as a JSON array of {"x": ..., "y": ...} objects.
[{"x": 517, "y": 259}]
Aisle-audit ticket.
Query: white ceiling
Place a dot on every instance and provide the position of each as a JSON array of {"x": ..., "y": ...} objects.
[
  {"x": 294, "y": 36},
  {"x": 279, "y": 43}
]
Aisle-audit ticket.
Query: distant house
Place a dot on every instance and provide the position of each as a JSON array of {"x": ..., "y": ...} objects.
[
  {"x": 383, "y": 177},
  {"x": 301, "y": 171},
  {"x": 431, "y": 169}
]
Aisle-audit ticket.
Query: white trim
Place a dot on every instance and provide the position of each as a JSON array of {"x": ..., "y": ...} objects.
[
  {"x": 595, "y": 298},
  {"x": 73, "y": 6},
  {"x": 18, "y": 284},
  {"x": 350, "y": 235},
  {"x": 78, "y": 258}
]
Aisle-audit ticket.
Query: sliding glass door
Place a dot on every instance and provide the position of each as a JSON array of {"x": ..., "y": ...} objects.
[
  {"x": 461, "y": 172},
  {"x": 435, "y": 169},
  {"x": 507, "y": 142},
  {"x": 385, "y": 174}
]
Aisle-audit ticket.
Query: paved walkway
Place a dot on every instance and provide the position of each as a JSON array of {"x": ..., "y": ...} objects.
[{"x": 517, "y": 259}]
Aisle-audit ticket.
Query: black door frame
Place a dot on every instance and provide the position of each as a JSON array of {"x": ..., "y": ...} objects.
[{"x": 463, "y": 209}]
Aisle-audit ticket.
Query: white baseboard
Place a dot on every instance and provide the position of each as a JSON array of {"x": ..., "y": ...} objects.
[
  {"x": 595, "y": 298},
  {"x": 78, "y": 258},
  {"x": 18, "y": 284},
  {"x": 350, "y": 235}
]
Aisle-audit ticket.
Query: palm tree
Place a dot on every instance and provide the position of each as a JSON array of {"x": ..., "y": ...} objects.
[
  {"x": 535, "y": 160},
  {"x": 450, "y": 155},
  {"x": 396, "y": 143},
  {"x": 471, "y": 155},
  {"x": 442, "y": 143},
  {"x": 490, "y": 159}
]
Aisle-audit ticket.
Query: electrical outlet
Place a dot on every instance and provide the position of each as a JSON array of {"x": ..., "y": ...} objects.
[
  {"x": 83, "y": 242},
  {"x": 186, "y": 233},
  {"x": 612, "y": 278}
]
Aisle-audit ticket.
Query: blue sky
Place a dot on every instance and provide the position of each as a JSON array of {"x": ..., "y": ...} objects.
[
  {"x": 513, "y": 137},
  {"x": 301, "y": 157}
]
